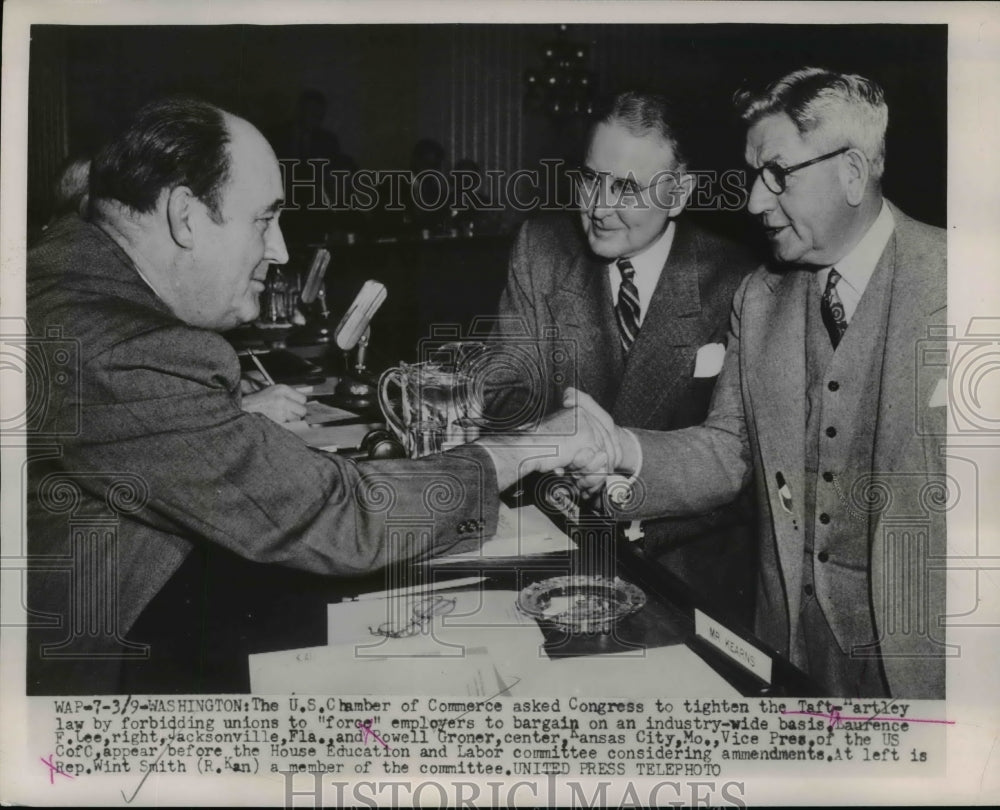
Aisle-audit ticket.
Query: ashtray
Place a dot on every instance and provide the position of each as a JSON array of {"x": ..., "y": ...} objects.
[{"x": 581, "y": 604}]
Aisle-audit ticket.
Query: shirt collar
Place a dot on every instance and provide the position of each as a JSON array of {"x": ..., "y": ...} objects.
[
  {"x": 856, "y": 267},
  {"x": 652, "y": 259}
]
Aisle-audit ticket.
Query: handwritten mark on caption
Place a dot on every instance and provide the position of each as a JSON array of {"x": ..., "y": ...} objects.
[
  {"x": 366, "y": 729},
  {"x": 835, "y": 718},
  {"x": 53, "y": 770}
]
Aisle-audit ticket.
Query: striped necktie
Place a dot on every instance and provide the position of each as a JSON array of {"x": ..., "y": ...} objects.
[
  {"x": 832, "y": 309},
  {"x": 627, "y": 308}
]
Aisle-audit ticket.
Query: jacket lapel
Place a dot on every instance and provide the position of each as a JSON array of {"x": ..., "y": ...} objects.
[
  {"x": 774, "y": 360},
  {"x": 662, "y": 359},
  {"x": 581, "y": 304}
]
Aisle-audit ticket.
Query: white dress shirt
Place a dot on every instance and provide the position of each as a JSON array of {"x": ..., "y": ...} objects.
[
  {"x": 648, "y": 266},
  {"x": 856, "y": 267}
]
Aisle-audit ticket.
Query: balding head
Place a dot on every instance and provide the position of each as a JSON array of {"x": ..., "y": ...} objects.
[
  {"x": 193, "y": 194},
  {"x": 167, "y": 143}
]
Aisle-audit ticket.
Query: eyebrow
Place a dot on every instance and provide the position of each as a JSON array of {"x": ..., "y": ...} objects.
[
  {"x": 777, "y": 160},
  {"x": 274, "y": 207},
  {"x": 630, "y": 178}
]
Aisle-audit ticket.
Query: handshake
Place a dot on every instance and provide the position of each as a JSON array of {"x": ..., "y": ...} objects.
[{"x": 580, "y": 440}]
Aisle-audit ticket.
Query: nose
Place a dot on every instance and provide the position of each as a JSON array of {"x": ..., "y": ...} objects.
[
  {"x": 762, "y": 199},
  {"x": 275, "y": 251},
  {"x": 602, "y": 204}
]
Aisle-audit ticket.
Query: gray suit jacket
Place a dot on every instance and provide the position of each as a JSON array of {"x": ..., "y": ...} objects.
[
  {"x": 558, "y": 294},
  {"x": 557, "y": 307},
  {"x": 756, "y": 427},
  {"x": 144, "y": 438}
]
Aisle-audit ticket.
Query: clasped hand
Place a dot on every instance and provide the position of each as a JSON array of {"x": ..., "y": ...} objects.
[
  {"x": 602, "y": 451},
  {"x": 581, "y": 441}
]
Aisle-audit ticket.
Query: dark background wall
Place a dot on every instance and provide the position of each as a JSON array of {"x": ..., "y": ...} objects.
[{"x": 389, "y": 85}]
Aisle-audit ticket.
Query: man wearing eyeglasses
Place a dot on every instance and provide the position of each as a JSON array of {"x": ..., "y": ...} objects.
[
  {"x": 628, "y": 300},
  {"x": 822, "y": 402}
]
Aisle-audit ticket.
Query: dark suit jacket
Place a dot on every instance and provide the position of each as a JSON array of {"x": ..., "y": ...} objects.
[
  {"x": 143, "y": 438},
  {"x": 558, "y": 302},
  {"x": 757, "y": 426}
]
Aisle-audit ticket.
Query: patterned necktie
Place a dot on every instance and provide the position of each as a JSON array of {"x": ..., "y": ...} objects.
[
  {"x": 832, "y": 309},
  {"x": 627, "y": 308}
]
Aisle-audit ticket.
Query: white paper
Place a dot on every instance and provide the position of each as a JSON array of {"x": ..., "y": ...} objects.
[
  {"x": 335, "y": 670},
  {"x": 319, "y": 412},
  {"x": 331, "y": 437},
  {"x": 521, "y": 532},
  {"x": 478, "y": 618}
]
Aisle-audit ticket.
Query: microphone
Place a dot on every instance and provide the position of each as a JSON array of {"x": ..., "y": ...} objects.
[
  {"x": 314, "y": 279},
  {"x": 317, "y": 327},
  {"x": 354, "y": 326},
  {"x": 356, "y": 389}
]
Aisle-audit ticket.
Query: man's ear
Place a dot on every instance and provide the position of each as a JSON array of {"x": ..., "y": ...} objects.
[
  {"x": 676, "y": 199},
  {"x": 855, "y": 172},
  {"x": 180, "y": 212}
]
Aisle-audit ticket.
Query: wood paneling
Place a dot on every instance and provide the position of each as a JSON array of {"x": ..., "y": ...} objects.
[{"x": 48, "y": 135}]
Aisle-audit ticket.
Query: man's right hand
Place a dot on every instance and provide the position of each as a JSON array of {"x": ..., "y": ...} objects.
[
  {"x": 277, "y": 402},
  {"x": 570, "y": 438},
  {"x": 589, "y": 477}
]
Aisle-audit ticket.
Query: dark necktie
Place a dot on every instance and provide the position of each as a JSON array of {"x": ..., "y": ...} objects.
[
  {"x": 832, "y": 309},
  {"x": 627, "y": 308}
]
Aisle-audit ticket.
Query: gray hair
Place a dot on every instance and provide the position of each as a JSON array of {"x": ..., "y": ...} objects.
[
  {"x": 844, "y": 108},
  {"x": 641, "y": 113}
]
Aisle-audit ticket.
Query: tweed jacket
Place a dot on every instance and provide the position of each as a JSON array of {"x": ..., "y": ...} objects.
[
  {"x": 756, "y": 429},
  {"x": 143, "y": 430}
]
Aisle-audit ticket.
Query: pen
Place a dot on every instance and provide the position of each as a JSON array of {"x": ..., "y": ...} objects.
[
  {"x": 414, "y": 589},
  {"x": 784, "y": 493},
  {"x": 260, "y": 367}
]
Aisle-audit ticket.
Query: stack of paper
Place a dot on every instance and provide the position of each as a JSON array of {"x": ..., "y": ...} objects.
[
  {"x": 334, "y": 671},
  {"x": 480, "y": 643},
  {"x": 318, "y": 413},
  {"x": 331, "y": 437},
  {"x": 324, "y": 389},
  {"x": 521, "y": 532}
]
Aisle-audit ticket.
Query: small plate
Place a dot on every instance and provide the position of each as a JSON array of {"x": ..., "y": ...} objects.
[{"x": 581, "y": 604}]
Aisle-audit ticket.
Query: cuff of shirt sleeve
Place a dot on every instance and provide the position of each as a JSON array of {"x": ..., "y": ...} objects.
[{"x": 619, "y": 490}]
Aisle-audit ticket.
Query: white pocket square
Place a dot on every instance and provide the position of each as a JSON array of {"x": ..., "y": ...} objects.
[
  {"x": 708, "y": 361},
  {"x": 940, "y": 396}
]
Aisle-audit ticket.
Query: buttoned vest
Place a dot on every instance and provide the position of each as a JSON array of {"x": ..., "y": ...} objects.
[{"x": 842, "y": 395}]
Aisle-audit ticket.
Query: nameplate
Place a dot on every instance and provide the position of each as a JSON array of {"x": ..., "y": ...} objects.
[{"x": 733, "y": 646}]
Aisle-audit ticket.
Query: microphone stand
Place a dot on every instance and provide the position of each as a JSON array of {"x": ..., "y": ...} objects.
[{"x": 357, "y": 389}]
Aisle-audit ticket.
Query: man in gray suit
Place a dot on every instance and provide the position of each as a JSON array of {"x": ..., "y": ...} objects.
[
  {"x": 629, "y": 301},
  {"x": 149, "y": 460},
  {"x": 822, "y": 403}
]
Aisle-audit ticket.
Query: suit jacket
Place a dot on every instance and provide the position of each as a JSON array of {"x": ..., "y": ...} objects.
[
  {"x": 756, "y": 427},
  {"x": 558, "y": 304},
  {"x": 558, "y": 293},
  {"x": 143, "y": 437}
]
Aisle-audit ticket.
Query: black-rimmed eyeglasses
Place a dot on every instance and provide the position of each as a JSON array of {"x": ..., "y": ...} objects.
[{"x": 775, "y": 177}]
